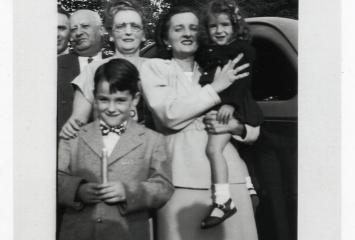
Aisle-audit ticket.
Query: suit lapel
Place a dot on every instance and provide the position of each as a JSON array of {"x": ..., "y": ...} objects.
[
  {"x": 129, "y": 141},
  {"x": 179, "y": 75},
  {"x": 93, "y": 138},
  {"x": 71, "y": 61},
  {"x": 197, "y": 73}
]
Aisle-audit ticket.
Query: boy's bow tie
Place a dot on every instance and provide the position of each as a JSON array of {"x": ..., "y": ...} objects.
[{"x": 118, "y": 130}]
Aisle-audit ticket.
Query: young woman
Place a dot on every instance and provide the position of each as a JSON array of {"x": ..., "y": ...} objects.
[{"x": 177, "y": 101}]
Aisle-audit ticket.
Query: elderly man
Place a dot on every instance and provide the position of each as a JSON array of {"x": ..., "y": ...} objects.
[
  {"x": 86, "y": 31},
  {"x": 63, "y": 32}
]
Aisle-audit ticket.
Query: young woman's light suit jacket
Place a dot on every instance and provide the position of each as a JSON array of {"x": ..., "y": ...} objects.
[{"x": 178, "y": 105}]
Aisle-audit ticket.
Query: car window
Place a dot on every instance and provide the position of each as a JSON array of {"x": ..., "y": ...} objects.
[{"x": 274, "y": 74}]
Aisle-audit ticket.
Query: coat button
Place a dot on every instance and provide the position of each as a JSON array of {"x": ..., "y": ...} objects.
[{"x": 99, "y": 220}]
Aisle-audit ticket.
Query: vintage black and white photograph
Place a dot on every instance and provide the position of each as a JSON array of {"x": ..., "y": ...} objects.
[{"x": 175, "y": 120}]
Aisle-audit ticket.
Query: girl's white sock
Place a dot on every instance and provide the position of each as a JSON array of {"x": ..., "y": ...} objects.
[
  {"x": 221, "y": 195},
  {"x": 221, "y": 192}
]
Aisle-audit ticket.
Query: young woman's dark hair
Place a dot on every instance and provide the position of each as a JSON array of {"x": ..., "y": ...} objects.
[
  {"x": 164, "y": 24},
  {"x": 120, "y": 74},
  {"x": 230, "y": 8},
  {"x": 114, "y": 6}
]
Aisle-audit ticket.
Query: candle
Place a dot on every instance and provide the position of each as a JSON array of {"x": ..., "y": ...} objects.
[{"x": 104, "y": 166}]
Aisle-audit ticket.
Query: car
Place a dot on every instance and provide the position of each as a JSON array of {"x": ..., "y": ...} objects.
[{"x": 272, "y": 160}]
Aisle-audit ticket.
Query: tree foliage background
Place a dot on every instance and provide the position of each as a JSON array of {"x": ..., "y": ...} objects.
[{"x": 154, "y": 8}]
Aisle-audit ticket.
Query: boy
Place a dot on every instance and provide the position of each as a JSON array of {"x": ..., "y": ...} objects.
[{"x": 138, "y": 171}]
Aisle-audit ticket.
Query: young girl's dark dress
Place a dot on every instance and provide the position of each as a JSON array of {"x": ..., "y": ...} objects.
[{"x": 209, "y": 57}]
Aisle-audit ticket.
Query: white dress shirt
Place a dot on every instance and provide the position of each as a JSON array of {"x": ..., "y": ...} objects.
[{"x": 83, "y": 61}]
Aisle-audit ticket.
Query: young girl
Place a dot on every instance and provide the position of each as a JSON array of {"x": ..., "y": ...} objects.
[{"x": 227, "y": 38}]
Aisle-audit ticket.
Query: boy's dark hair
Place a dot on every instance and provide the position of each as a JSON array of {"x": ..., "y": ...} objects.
[
  {"x": 120, "y": 74},
  {"x": 230, "y": 8},
  {"x": 163, "y": 27}
]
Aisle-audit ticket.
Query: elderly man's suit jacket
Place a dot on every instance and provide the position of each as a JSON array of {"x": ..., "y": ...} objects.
[
  {"x": 138, "y": 160},
  {"x": 68, "y": 69}
]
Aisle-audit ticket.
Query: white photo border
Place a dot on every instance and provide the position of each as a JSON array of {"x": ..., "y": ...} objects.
[{"x": 34, "y": 167}]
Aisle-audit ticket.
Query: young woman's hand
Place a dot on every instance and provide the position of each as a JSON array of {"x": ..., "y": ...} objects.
[
  {"x": 226, "y": 76},
  {"x": 225, "y": 112},
  {"x": 213, "y": 126},
  {"x": 70, "y": 128},
  {"x": 88, "y": 193},
  {"x": 112, "y": 192}
]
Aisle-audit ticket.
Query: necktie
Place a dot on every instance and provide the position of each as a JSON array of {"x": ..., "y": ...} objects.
[
  {"x": 118, "y": 129},
  {"x": 90, "y": 59}
]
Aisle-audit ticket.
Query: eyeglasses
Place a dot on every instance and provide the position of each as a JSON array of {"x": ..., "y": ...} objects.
[{"x": 120, "y": 28}]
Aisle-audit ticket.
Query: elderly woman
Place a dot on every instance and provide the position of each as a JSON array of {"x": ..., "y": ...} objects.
[
  {"x": 178, "y": 104},
  {"x": 125, "y": 23}
]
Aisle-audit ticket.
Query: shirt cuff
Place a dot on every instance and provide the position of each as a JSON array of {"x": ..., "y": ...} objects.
[
  {"x": 212, "y": 94},
  {"x": 252, "y": 134},
  {"x": 86, "y": 92},
  {"x": 77, "y": 83}
]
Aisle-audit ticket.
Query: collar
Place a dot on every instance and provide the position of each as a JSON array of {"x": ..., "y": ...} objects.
[
  {"x": 132, "y": 138},
  {"x": 102, "y": 122},
  {"x": 83, "y": 61},
  {"x": 66, "y": 51},
  {"x": 195, "y": 67},
  {"x": 135, "y": 60}
]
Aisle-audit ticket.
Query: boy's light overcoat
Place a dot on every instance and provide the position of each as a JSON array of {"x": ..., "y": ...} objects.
[{"x": 139, "y": 160}]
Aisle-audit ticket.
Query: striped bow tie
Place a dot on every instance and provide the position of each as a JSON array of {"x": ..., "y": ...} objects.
[{"x": 118, "y": 130}]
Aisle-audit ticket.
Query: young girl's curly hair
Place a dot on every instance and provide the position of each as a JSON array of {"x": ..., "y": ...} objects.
[{"x": 230, "y": 8}]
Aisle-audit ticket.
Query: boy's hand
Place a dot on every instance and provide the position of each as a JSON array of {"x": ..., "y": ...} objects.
[
  {"x": 225, "y": 113},
  {"x": 87, "y": 193},
  {"x": 112, "y": 192}
]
